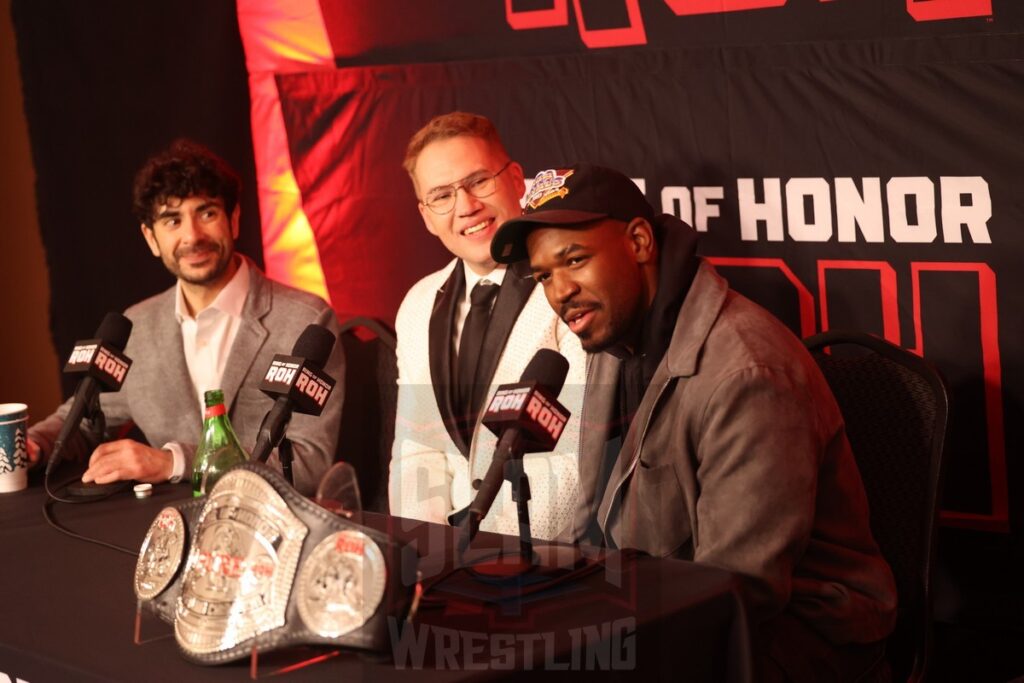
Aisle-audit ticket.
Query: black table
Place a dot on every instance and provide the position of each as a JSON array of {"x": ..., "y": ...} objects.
[{"x": 67, "y": 611}]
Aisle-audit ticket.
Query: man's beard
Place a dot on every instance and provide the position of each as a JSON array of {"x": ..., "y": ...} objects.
[
  {"x": 619, "y": 331},
  {"x": 221, "y": 261}
]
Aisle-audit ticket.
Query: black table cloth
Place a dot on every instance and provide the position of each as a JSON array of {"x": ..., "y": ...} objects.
[{"x": 67, "y": 611}]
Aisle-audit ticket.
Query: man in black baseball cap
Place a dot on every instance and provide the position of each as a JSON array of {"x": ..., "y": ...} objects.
[
  {"x": 608, "y": 206},
  {"x": 710, "y": 435}
]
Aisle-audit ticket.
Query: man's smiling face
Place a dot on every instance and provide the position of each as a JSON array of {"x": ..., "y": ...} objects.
[
  {"x": 195, "y": 238},
  {"x": 467, "y": 229}
]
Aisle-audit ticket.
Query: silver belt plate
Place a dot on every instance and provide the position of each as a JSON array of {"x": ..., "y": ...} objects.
[
  {"x": 341, "y": 584},
  {"x": 240, "y": 566},
  {"x": 161, "y": 554}
]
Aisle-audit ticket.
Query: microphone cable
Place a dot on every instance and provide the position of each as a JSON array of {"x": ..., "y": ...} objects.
[
  {"x": 51, "y": 520},
  {"x": 52, "y": 498}
]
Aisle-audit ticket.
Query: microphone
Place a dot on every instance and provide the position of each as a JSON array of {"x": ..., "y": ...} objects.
[
  {"x": 527, "y": 418},
  {"x": 104, "y": 365},
  {"x": 298, "y": 383}
]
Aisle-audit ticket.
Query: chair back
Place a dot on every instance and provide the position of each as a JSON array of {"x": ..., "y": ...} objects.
[
  {"x": 368, "y": 415},
  {"x": 895, "y": 406}
]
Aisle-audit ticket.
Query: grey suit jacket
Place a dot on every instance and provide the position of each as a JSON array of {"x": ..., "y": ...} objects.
[
  {"x": 737, "y": 457},
  {"x": 159, "y": 398}
]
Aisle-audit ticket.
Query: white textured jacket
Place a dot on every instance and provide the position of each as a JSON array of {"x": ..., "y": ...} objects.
[{"x": 430, "y": 477}]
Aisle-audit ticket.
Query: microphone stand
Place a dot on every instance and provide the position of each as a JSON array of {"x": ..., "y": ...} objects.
[
  {"x": 516, "y": 475},
  {"x": 547, "y": 559},
  {"x": 96, "y": 417},
  {"x": 500, "y": 564},
  {"x": 285, "y": 455},
  {"x": 284, "y": 448},
  {"x": 78, "y": 489}
]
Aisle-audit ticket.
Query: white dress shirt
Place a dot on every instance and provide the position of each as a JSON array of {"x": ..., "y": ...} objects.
[{"x": 207, "y": 339}]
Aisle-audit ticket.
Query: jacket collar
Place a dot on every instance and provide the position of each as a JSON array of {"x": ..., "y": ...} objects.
[
  {"x": 249, "y": 339},
  {"x": 439, "y": 342},
  {"x": 251, "y": 334},
  {"x": 171, "y": 373},
  {"x": 700, "y": 309}
]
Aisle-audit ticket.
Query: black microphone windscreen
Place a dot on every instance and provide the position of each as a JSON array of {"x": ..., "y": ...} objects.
[
  {"x": 114, "y": 330},
  {"x": 314, "y": 345},
  {"x": 548, "y": 368}
]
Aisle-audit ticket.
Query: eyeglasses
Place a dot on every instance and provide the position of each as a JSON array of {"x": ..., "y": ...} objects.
[{"x": 442, "y": 200}]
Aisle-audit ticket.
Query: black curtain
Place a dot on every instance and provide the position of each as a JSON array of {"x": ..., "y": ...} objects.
[{"x": 106, "y": 84}]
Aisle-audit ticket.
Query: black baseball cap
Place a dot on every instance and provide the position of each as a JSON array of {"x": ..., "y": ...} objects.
[{"x": 566, "y": 197}]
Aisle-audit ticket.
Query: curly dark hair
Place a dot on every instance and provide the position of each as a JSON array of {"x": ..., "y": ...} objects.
[{"x": 185, "y": 169}]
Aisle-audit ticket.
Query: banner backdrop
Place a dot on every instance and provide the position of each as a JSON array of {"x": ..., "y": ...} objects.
[
  {"x": 851, "y": 164},
  {"x": 100, "y": 98}
]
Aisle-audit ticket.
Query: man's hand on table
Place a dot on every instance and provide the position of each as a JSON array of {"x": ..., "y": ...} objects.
[{"x": 127, "y": 459}]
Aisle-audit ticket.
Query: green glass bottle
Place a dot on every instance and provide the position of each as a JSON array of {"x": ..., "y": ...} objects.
[{"x": 219, "y": 449}]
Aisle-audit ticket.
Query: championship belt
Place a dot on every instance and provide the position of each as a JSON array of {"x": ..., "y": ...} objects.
[{"x": 256, "y": 565}]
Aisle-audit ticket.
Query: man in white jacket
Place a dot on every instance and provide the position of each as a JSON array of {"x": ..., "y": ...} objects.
[{"x": 468, "y": 328}]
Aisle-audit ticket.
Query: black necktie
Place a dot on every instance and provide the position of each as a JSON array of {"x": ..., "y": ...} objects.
[{"x": 471, "y": 341}]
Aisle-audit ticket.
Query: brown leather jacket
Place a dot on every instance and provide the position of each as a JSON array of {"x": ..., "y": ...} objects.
[{"x": 737, "y": 457}]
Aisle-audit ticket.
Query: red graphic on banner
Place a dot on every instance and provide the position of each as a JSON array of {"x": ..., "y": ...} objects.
[
  {"x": 997, "y": 519},
  {"x": 681, "y": 7},
  {"x": 992, "y": 371},
  {"x": 557, "y": 15},
  {"x": 635, "y": 33},
  {"x": 804, "y": 298},
  {"x": 935, "y": 10}
]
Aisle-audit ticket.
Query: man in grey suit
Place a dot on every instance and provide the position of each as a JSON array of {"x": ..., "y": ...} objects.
[{"x": 218, "y": 327}]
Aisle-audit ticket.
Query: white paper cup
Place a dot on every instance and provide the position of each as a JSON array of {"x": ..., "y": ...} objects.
[{"x": 13, "y": 447}]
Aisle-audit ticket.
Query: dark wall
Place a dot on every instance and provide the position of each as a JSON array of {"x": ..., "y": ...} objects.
[
  {"x": 31, "y": 374},
  {"x": 106, "y": 84}
]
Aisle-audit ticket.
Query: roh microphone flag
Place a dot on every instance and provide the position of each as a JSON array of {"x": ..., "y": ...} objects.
[
  {"x": 297, "y": 383},
  {"x": 527, "y": 418},
  {"x": 100, "y": 361},
  {"x": 299, "y": 380},
  {"x": 531, "y": 406},
  {"x": 103, "y": 367},
  {"x": 101, "y": 358}
]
